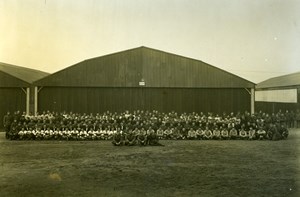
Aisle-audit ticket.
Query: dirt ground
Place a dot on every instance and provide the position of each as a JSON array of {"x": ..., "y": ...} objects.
[{"x": 180, "y": 168}]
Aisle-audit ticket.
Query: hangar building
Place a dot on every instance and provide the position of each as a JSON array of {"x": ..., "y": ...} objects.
[
  {"x": 146, "y": 79},
  {"x": 278, "y": 93},
  {"x": 16, "y": 91}
]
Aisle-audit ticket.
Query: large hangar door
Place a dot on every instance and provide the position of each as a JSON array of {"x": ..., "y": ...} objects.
[
  {"x": 93, "y": 99},
  {"x": 119, "y": 99},
  {"x": 59, "y": 99}
]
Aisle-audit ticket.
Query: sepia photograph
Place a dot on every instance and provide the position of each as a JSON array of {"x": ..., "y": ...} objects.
[{"x": 128, "y": 98}]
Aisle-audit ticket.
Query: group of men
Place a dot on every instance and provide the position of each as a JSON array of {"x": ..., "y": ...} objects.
[
  {"x": 131, "y": 138},
  {"x": 145, "y": 127}
]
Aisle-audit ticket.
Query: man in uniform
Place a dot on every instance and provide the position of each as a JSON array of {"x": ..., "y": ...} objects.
[
  {"x": 184, "y": 133},
  {"x": 273, "y": 132},
  {"x": 167, "y": 133},
  {"x": 96, "y": 135},
  {"x": 261, "y": 133},
  {"x": 66, "y": 134},
  {"x": 284, "y": 132},
  {"x": 243, "y": 134},
  {"x": 207, "y": 134},
  {"x": 224, "y": 133},
  {"x": 38, "y": 134},
  {"x": 142, "y": 137},
  {"x": 233, "y": 133},
  {"x": 252, "y": 133},
  {"x": 110, "y": 132},
  {"x": 21, "y": 134},
  {"x": 217, "y": 133},
  {"x": 13, "y": 131},
  {"x": 199, "y": 133},
  {"x": 136, "y": 132},
  {"x": 160, "y": 133},
  {"x": 7, "y": 120},
  {"x": 191, "y": 134},
  {"x": 148, "y": 133},
  {"x": 130, "y": 139},
  {"x": 153, "y": 139},
  {"x": 46, "y": 131},
  {"x": 176, "y": 134},
  {"x": 117, "y": 138},
  {"x": 82, "y": 134}
]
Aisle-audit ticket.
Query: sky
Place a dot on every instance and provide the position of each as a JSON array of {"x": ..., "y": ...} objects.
[{"x": 255, "y": 39}]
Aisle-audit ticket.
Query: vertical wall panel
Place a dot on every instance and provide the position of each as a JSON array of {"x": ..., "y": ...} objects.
[
  {"x": 163, "y": 99},
  {"x": 11, "y": 99}
]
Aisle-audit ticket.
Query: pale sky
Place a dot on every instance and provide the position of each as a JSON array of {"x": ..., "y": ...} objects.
[{"x": 255, "y": 39}]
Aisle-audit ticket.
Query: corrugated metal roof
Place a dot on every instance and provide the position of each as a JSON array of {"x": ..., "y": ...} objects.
[
  {"x": 25, "y": 74},
  {"x": 157, "y": 68},
  {"x": 281, "y": 81}
]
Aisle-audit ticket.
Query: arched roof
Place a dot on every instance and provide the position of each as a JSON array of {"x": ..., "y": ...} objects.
[{"x": 156, "y": 68}]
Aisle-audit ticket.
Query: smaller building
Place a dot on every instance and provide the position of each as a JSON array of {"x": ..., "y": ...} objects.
[
  {"x": 278, "y": 93},
  {"x": 16, "y": 90}
]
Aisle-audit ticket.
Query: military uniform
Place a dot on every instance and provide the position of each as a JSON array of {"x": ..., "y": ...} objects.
[
  {"x": 216, "y": 134},
  {"x": 284, "y": 132},
  {"x": 153, "y": 139},
  {"x": 224, "y": 134},
  {"x": 117, "y": 139},
  {"x": 191, "y": 134},
  {"x": 261, "y": 134},
  {"x": 160, "y": 133},
  {"x": 142, "y": 138},
  {"x": 207, "y": 134},
  {"x": 199, "y": 133},
  {"x": 7, "y": 120},
  {"x": 243, "y": 134},
  {"x": 130, "y": 138},
  {"x": 252, "y": 134},
  {"x": 233, "y": 134}
]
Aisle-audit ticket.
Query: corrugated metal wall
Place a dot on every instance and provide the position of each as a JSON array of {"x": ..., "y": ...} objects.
[
  {"x": 11, "y": 99},
  {"x": 181, "y": 100}
]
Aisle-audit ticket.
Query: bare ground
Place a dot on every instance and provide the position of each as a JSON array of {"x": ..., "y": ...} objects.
[{"x": 180, "y": 168}]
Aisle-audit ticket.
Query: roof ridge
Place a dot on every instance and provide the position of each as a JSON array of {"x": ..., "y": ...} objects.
[
  {"x": 22, "y": 67},
  {"x": 23, "y": 73},
  {"x": 281, "y": 81},
  {"x": 280, "y": 76}
]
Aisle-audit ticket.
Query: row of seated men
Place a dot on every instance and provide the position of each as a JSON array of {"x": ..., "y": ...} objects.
[
  {"x": 142, "y": 118},
  {"x": 272, "y": 132}
]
